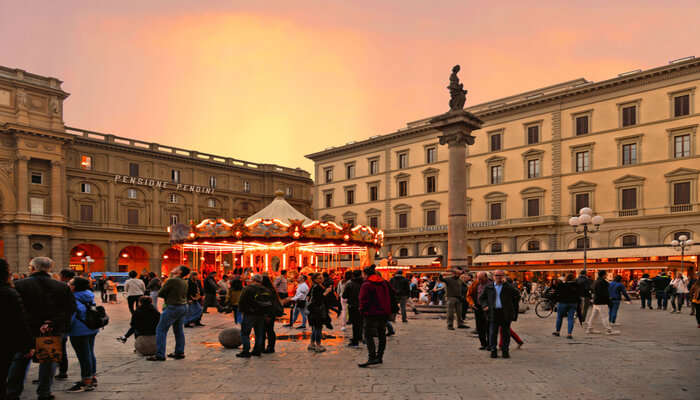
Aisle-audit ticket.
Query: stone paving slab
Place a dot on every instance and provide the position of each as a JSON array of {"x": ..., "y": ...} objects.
[{"x": 656, "y": 357}]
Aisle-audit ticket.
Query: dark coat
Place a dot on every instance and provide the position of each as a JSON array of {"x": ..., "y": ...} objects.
[
  {"x": 510, "y": 297},
  {"x": 318, "y": 305},
  {"x": 15, "y": 336},
  {"x": 377, "y": 298},
  {"x": 351, "y": 293},
  {"x": 210, "y": 285},
  {"x": 401, "y": 285},
  {"x": 46, "y": 299},
  {"x": 144, "y": 320},
  {"x": 601, "y": 294},
  {"x": 247, "y": 303},
  {"x": 568, "y": 292}
]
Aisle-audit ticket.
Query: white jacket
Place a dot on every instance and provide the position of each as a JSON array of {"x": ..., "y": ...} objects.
[
  {"x": 134, "y": 287},
  {"x": 680, "y": 285}
]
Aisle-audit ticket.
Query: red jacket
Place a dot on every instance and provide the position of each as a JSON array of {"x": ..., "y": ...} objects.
[{"x": 375, "y": 297}]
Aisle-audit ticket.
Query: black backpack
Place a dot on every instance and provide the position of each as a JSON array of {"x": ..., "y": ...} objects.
[
  {"x": 262, "y": 301},
  {"x": 95, "y": 316}
]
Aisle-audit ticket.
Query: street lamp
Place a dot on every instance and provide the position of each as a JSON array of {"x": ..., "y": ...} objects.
[
  {"x": 585, "y": 219},
  {"x": 681, "y": 244}
]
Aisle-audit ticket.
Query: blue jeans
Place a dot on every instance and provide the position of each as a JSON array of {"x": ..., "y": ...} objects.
[
  {"x": 316, "y": 332},
  {"x": 84, "y": 347},
  {"x": 661, "y": 298},
  {"x": 171, "y": 316},
  {"x": 612, "y": 310},
  {"x": 298, "y": 310},
  {"x": 568, "y": 309},
  {"x": 194, "y": 312},
  {"x": 18, "y": 372},
  {"x": 253, "y": 323}
]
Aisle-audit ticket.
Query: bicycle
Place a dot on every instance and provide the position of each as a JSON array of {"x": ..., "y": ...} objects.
[{"x": 545, "y": 306}]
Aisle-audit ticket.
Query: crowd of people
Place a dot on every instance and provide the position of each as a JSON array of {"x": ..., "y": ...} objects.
[{"x": 63, "y": 306}]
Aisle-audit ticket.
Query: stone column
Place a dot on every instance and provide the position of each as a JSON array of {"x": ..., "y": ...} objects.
[
  {"x": 58, "y": 253},
  {"x": 155, "y": 261},
  {"x": 515, "y": 244},
  {"x": 57, "y": 191},
  {"x": 22, "y": 252},
  {"x": 111, "y": 264},
  {"x": 456, "y": 127},
  {"x": 22, "y": 185}
]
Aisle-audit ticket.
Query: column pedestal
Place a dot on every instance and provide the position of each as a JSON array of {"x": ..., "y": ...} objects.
[{"x": 456, "y": 128}]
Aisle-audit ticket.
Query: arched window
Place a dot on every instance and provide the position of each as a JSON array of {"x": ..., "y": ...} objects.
[
  {"x": 677, "y": 235},
  {"x": 496, "y": 247},
  {"x": 629, "y": 241},
  {"x": 581, "y": 242},
  {"x": 432, "y": 251},
  {"x": 533, "y": 245},
  {"x": 403, "y": 252}
]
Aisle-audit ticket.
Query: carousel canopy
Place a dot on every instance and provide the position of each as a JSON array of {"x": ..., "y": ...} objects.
[{"x": 279, "y": 209}]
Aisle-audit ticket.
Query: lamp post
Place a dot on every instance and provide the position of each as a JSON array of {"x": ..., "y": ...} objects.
[
  {"x": 585, "y": 219},
  {"x": 681, "y": 244}
]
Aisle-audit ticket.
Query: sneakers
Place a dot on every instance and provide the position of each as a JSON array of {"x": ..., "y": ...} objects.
[
  {"x": 311, "y": 347},
  {"x": 121, "y": 339},
  {"x": 319, "y": 348},
  {"x": 592, "y": 331},
  {"x": 451, "y": 328},
  {"x": 555, "y": 333},
  {"x": 80, "y": 387},
  {"x": 612, "y": 332},
  {"x": 569, "y": 337}
]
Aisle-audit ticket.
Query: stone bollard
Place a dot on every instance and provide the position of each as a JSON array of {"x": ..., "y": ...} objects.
[
  {"x": 230, "y": 338},
  {"x": 145, "y": 345}
]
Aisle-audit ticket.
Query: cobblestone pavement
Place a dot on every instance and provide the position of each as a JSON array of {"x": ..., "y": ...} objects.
[{"x": 657, "y": 356}]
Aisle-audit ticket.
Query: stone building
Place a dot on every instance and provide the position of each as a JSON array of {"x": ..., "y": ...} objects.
[
  {"x": 102, "y": 202},
  {"x": 626, "y": 147}
]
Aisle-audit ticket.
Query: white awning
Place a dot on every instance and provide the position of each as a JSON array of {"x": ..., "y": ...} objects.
[{"x": 658, "y": 251}]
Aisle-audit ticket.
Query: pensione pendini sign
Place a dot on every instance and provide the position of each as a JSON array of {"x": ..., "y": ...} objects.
[{"x": 165, "y": 185}]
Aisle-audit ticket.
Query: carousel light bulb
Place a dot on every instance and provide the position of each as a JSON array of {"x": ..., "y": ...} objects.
[
  {"x": 192, "y": 235},
  {"x": 346, "y": 237}
]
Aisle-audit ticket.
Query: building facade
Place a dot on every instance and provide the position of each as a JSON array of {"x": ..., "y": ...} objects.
[
  {"x": 626, "y": 147},
  {"x": 101, "y": 202}
]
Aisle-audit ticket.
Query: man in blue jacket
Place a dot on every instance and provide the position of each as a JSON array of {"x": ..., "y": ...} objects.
[{"x": 616, "y": 291}]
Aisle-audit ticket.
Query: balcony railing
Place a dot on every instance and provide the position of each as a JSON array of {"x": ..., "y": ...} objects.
[
  {"x": 477, "y": 225},
  {"x": 681, "y": 208},
  {"x": 627, "y": 213}
]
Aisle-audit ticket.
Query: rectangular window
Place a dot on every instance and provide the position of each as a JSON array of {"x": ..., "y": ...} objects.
[
  {"x": 533, "y": 168},
  {"x": 495, "y": 142},
  {"x": 533, "y": 134},
  {"x": 496, "y": 247},
  {"x": 681, "y": 146},
  {"x": 403, "y": 252},
  {"x": 133, "y": 169},
  {"x": 349, "y": 171},
  {"x": 582, "y": 201},
  {"x": 132, "y": 216},
  {"x": 533, "y": 245},
  {"x": 289, "y": 191},
  {"x": 681, "y": 193},
  {"x": 374, "y": 222},
  {"x": 86, "y": 162},
  {"x": 172, "y": 198},
  {"x": 329, "y": 200},
  {"x": 328, "y": 173},
  {"x": 403, "y": 160},
  {"x": 495, "y": 211},
  {"x": 582, "y": 125},
  {"x": 629, "y": 241},
  {"x": 212, "y": 181},
  {"x": 431, "y": 218},
  {"x": 629, "y": 199},
  {"x": 629, "y": 115},
  {"x": 583, "y": 161},
  {"x": 131, "y": 193},
  {"x": 350, "y": 221},
  {"x": 85, "y": 188},
  {"x": 430, "y": 155},
  {"x": 36, "y": 205},
  {"x": 533, "y": 207},
  {"x": 403, "y": 188},
  {"x": 629, "y": 154},
  {"x": 85, "y": 213},
  {"x": 349, "y": 197},
  {"x": 246, "y": 186},
  {"x": 37, "y": 178},
  {"x": 373, "y": 193},
  {"x": 403, "y": 220},
  {"x": 681, "y": 105},
  {"x": 496, "y": 174},
  {"x": 430, "y": 184},
  {"x": 173, "y": 219},
  {"x": 175, "y": 175},
  {"x": 373, "y": 167},
  {"x": 211, "y": 203}
]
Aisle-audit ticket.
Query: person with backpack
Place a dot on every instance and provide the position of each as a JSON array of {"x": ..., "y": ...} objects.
[
  {"x": 82, "y": 337},
  {"x": 644, "y": 287},
  {"x": 255, "y": 301}
]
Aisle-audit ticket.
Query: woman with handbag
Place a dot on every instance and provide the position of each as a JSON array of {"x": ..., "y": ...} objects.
[
  {"x": 82, "y": 338},
  {"x": 318, "y": 312}
]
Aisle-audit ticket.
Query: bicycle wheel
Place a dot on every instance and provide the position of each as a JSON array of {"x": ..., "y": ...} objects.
[
  {"x": 544, "y": 308},
  {"x": 532, "y": 298}
]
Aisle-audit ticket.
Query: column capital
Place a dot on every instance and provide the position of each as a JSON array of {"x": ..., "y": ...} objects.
[
  {"x": 456, "y": 139},
  {"x": 22, "y": 157}
]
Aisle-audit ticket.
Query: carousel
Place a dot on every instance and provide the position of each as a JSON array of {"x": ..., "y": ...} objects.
[{"x": 276, "y": 238}]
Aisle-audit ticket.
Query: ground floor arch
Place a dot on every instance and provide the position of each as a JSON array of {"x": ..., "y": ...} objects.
[
  {"x": 133, "y": 258},
  {"x": 86, "y": 257}
]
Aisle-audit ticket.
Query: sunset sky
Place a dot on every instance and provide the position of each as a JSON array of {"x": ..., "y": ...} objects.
[{"x": 271, "y": 81}]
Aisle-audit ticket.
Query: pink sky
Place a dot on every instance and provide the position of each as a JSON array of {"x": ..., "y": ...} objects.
[{"x": 275, "y": 81}]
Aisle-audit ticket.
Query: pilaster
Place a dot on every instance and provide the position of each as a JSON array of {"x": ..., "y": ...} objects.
[
  {"x": 57, "y": 191},
  {"x": 22, "y": 252},
  {"x": 58, "y": 252},
  {"x": 22, "y": 185}
]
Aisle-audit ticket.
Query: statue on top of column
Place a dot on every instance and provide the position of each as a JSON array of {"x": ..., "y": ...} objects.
[{"x": 458, "y": 96}]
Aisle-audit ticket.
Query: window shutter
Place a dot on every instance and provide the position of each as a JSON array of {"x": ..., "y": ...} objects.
[
  {"x": 86, "y": 213},
  {"x": 533, "y": 207},
  {"x": 133, "y": 217},
  {"x": 629, "y": 199},
  {"x": 581, "y": 202},
  {"x": 681, "y": 193}
]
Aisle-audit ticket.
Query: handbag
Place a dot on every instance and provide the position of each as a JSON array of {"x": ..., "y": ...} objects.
[{"x": 48, "y": 349}]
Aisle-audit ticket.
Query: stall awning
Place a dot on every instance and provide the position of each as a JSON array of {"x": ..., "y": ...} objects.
[{"x": 658, "y": 251}]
